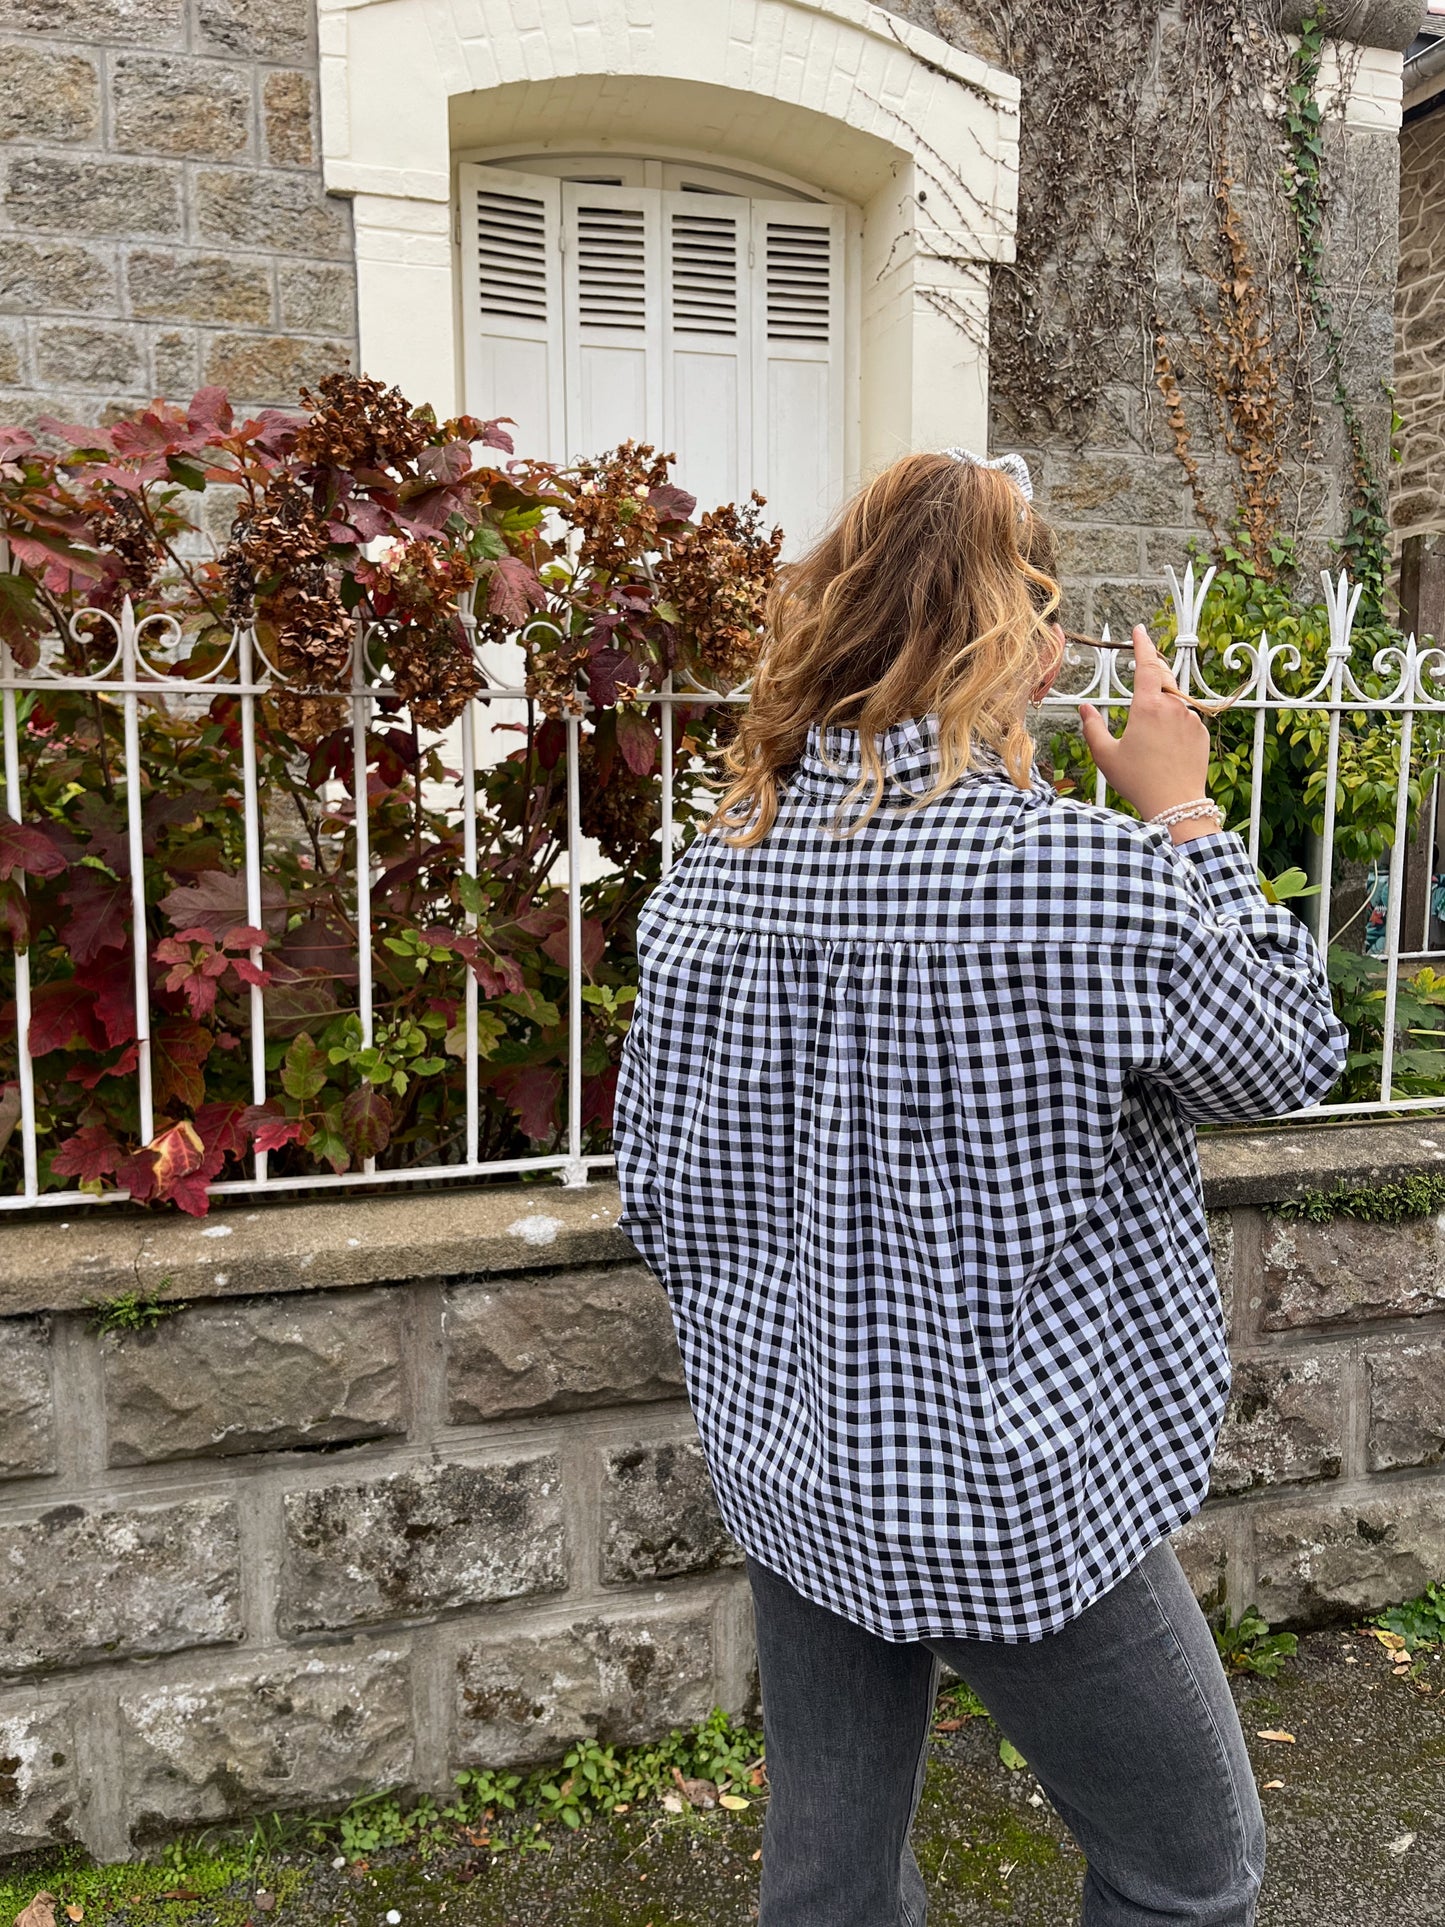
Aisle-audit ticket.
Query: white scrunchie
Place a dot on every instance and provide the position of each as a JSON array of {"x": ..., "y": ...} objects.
[{"x": 1014, "y": 466}]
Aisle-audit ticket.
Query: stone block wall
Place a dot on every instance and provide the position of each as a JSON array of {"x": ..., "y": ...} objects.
[
  {"x": 1419, "y": 483},
  {"x": 162, "y": 219},
  {"x": 403, "y": 1484}
]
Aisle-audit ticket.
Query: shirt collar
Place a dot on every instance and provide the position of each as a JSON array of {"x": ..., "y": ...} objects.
[{"x": 908, "y": 751}]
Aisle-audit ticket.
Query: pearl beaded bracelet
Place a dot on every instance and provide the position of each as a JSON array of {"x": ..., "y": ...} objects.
[{"x": 1182, "y": 812}]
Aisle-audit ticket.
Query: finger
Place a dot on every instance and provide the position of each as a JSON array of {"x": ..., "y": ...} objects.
[
  {"x": 1098, "y": 738},
  {"x": 1150, "y": 668}
]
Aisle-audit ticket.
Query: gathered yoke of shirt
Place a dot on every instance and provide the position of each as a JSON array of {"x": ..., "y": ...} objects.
[{"x": 905, "y": 1125}]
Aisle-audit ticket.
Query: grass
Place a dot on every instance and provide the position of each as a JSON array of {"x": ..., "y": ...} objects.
[{"x": 1419, "y": 1196}]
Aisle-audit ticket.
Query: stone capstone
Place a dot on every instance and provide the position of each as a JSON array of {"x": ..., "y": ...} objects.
[
  {"x": 259, "y": 29},
  {"x": 316, "y": 298},
  {"x": 1336, "y": 1272},
  {"x": 1284, "y": 1423},
  {"x": 46, "y": 95},
  {"x": 86, "y": 354},
  {"x": 558, "y": 1343},
  {"x": 198, "y": 287},
  {"x": 194, "y": 109},
  {"x": 524, "y": 1699},
  {"x": 68, "y": 196},
  {"x": 1318, "y": 1563},
  {"x": 299, "y": 1733},
  {"x": 147, "y": 23},
  {"x": 27, "y": 1415},
  {"x": 1407, "y": 1406},
  {"x": 1201, "y": 1546},
  {"x": 255, "y": 1375},
  {"x": 659, "y": 1518},
  {"x": 422, "y": 1541},
  {"x": 288, "y": 101},
  {"x": 38, "y": 1780},
  {"x": 43, "y": 276},
  {"x": 247, "y": 208},
  {"x": 78, "y": 1586},
  {"x": 272, "y": 368}
]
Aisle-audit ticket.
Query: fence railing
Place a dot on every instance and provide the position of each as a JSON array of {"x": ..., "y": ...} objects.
[{"x": 142, "y": 670}]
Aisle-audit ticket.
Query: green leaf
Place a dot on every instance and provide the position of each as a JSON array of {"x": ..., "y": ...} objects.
[
  {"x": 303, "y": 1071},
  {"x": 1011, "y": 1756}
]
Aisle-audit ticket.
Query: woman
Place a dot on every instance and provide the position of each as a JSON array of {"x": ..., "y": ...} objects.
[{"x": 906, "y": 1127}]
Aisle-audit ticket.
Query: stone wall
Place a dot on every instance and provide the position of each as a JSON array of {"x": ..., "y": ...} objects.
[
  {"x": 404, "y": 1484},
  {"x": 162, "y": 220},
  {"x": 1419, "y": 483}
]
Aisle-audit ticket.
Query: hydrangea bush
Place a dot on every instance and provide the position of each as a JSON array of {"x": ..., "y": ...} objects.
[{"x": 365, "y": 517}]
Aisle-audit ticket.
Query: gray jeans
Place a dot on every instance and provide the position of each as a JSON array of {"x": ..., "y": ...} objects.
[{"x": 1124, "y": 1715}]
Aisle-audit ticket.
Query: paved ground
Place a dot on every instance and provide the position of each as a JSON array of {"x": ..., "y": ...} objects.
[{"x": 1357, "y": 1834}]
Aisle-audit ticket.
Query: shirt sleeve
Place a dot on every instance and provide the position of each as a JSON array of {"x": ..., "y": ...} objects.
[
  {"x": 635, "y": 1143},
  {"x": 1248, "y": 1031}
]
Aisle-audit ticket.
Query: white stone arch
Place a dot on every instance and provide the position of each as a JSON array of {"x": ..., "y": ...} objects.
[{"x": 920, "y": 138}]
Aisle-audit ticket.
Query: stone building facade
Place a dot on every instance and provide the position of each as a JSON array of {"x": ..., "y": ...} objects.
[
  {"x": 1419, "y": 493},
  {"x": 174, "y": 211},
  {"x": 406, "y": 1484},
  {"x": 163, "y": 222}
]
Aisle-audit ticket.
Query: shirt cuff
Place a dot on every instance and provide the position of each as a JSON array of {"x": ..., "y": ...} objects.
[{"x": 1219, "y": 863}]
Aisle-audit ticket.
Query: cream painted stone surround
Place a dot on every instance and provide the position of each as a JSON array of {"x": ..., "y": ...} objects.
[{"x": 919, "y": 138}]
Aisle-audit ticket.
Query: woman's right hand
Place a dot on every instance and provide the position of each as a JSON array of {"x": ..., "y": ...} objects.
[{"x": 1162, "y": 758}]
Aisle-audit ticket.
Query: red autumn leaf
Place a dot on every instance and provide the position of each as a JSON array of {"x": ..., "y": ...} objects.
[
  {"x": 178, "y": 1050},
  {"x": 15, "y": 915},
  {"x": 62, "y": 1017},
  {"x": 216, "y": 903},
  {"x": 89, "y": 1076},
  {"x": 499, "y": 975},
  {"x": 250, "y": 973},
  {"x": 137, "y": 1174},
  {"x": 550, "y": 743},
  {"x": 608, "y": 672},
  {"x": 532, "y": 1094},
  {"x": 210, "y": 410},
  {"x": 598, "y": 1096},
  {"x": 179, "y": 1156},
  {"x": 90, "y": 1155},
  {"x": 673, "y": 504},
  {"x": 246, "y": 936},
  {"x": 110, "y": 979},
  {"x": 222, "y": 1131},
  {"x": 637, "y": 739},
  {"x": 515, "y": 591},
  {"x": 270, "y": 1128},
  {"x": 196, "y": 969},
  {"x": 99, "y": 906},
  {"x": 29, "y": 849},
  {"x": 594, "y": 942},
  {"x": 366, "y": 1121}
]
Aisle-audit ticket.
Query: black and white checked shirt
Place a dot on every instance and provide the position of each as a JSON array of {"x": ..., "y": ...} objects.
[{"x": 905, "y": 1126}]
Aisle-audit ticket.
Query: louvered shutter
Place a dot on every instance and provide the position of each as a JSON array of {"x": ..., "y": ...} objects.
[
  {"x": 512, "y": 268},
  {"x": 798, "y": 389},
  {"x": 707, "y": 344},
  {"x": 612, "y": 317}
]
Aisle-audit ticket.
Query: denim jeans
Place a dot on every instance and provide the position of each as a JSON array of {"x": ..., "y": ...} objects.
[{"x": 1123, "y": 1715}]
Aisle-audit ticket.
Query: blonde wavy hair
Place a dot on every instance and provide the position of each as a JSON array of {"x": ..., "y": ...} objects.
[{"x": 933, "y": 593}]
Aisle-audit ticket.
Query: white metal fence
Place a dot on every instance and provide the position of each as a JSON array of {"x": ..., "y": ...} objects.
[{"x": 141, "y": 667}]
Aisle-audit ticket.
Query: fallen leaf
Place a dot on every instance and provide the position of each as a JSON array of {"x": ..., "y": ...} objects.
[
  {"x": 265, "y": 1902},
  {"x": 1011, "y": 1756},
  {"x": 73, "y": 1912},
  {"x": 698, "y": 1793},
  {"x": 1276, "y": 1733},
  {"x": 948, "y": 1726},
  {"x": 1392, "y": 1642},
  {"x": 734, "y": 1802},
  {"x": 672, "y": 1803},
  {"x": 1270, "y": 1784},
  {"x": 759, "y": 1854},
  {"x": 1402, "y": 1843},
  {"x": 40, "y": 1912}
]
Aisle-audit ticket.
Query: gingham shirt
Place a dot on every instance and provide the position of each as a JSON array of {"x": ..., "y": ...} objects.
[{"x": 905, "y": 1126}]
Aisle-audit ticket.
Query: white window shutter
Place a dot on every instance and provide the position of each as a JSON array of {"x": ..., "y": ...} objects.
[
  {"x": 798, "y": 392},
  {"x": 511, "y": 226},
  {"x": 613, "y": 316},
  {"x": 707, "y": 344}
]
